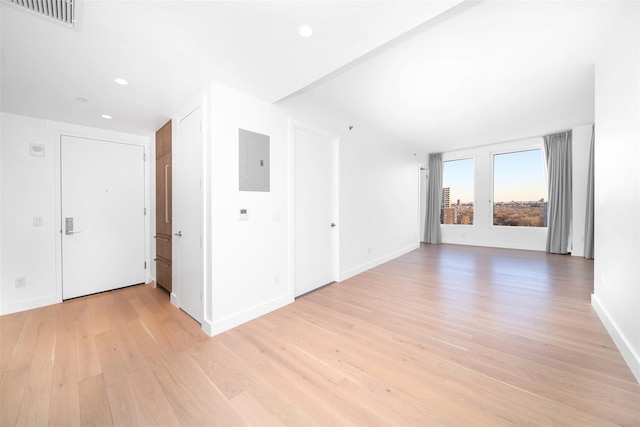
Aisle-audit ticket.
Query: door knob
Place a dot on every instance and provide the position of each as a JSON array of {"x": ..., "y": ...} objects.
[
  {"x": 179, "y": 234},
  {"x": 332, "y": 225},
  {"x": 68, "y": 227}
]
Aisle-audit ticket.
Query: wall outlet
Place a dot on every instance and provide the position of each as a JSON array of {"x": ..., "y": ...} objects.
[
  {"x": 369, "y": 251},
  {"x": 276, "y": 279},
  {"x": 21, "y": 282},
  {"x": 37, "y": 221}
]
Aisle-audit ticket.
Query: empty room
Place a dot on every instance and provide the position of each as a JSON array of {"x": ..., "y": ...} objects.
[{"x": 346, "y": 213}]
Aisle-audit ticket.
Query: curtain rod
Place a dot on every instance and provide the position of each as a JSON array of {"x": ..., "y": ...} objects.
[
  {"x": 510, "y": 140},
  {"x": 556, "y": 133}
]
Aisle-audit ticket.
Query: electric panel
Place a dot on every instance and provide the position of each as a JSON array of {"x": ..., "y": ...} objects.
[{"x": 254, "y": 161}]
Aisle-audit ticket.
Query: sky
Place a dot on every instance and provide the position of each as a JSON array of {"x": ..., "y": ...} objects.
[{"x": 518, "y": 176}]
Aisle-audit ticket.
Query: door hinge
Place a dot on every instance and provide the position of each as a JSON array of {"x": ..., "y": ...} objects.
[
  {"x": 145, "y": 211},
  {"x": 144, "y": 157},
  {"x": 145, "y": 265}
]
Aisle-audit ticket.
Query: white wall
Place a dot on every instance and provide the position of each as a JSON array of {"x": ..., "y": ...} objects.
[
  {"x": 29, "y": 189},
  {"x": 616, "y": 295},
  {"x": 249, "y": 259},
  {"x": 379, "y": 200}
]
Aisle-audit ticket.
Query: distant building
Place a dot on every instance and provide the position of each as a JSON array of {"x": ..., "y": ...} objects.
[
  {"x": 446, "y": 202},
  {"x": 449, "y": 216},
  {"x": 445, "y": 206}
]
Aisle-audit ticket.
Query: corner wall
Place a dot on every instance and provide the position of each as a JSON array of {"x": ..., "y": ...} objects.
[
  {"x": 379, "y": 195},
  {"x": 249, "y": 259},
  {"x": 616, "y": 296},
  {"x": 29, "y": 189}
]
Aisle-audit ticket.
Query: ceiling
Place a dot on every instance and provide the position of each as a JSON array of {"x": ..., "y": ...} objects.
[
  {"x": 168, "y": 51},
  {"x": 448, "y": 74},
  {"x": 499, "y": 71}
]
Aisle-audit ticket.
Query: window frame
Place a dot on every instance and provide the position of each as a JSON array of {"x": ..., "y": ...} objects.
[
  {"x": 538, "y": 145},
  {"x": 453, "y": 158}
]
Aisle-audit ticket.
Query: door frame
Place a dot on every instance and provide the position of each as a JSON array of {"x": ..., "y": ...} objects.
[
  {"x": 335, "y": 173},
  {"x": 199, "y": 103},
  {"x": 107, "y": 136}
]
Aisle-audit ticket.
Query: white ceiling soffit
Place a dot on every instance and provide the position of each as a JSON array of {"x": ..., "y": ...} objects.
[
  {"x": 499, "y": 71},
  {"x": 169, "y": 50},
  {"x": 63, "y": 11}
]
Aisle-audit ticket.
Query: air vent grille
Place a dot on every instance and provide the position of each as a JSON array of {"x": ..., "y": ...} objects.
[{"x": 59, "y": 10}]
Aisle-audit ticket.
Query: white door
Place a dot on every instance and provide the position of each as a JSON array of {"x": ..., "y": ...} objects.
[
  {"x": 188, "y": 271},
  {"x": 102, "y": 206},
  {"x": 315, "y": 216}
]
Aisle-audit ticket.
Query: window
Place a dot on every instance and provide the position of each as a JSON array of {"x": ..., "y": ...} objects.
[
  {"x": 457, "y": 192},
  {"x": 519, "y": 189}
]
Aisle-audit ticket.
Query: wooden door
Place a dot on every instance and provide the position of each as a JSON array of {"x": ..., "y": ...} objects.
[{"x": 163, "y": 207}]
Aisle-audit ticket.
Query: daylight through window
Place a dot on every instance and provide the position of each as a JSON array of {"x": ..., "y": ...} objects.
[
  {"x": 457, "y": 192},
  {"x": 519, "y": 189}
]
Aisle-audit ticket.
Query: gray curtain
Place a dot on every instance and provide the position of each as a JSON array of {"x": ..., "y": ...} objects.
[
  {"x": 589, "y": 217},
  {"x": 432, "y": 232},
  {"x": 558, "y": 151}
]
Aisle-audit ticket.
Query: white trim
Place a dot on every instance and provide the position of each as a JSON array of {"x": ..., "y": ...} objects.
[
  {"x": 174, "y": 299},
  {"x": 628, "y": 353},
  {"x": 207, "y": 309},
  {"x": 109, "y": 137},
  {"x": 527, "y": 145},
  {"x": 236, "y": 319},
  {"x": 24, "y": 305},
  {"x": 335, "y": 153},
  {"x": 376, "y": 262},
  {"x": 291, "y": 255},
  {"x": 197, "y": 105},
  {"x": 448, "y": 157}
]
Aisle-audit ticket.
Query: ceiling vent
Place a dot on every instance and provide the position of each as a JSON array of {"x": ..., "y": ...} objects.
[{"x": 62, "y": 11}]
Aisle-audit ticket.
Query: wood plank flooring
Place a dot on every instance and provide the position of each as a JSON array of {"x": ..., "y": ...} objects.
[{"x": 445, "y": 335}]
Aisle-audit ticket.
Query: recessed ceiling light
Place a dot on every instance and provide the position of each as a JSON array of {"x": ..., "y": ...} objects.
[
  {"x": 81, "y": 99},
  {"x": 305, "y": 31},
  {"x": 106, "y": 116},
  {"x": 121, "y": 81}
]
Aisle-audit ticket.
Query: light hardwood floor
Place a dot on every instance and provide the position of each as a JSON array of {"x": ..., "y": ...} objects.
[{"x": 445, "y": 335}]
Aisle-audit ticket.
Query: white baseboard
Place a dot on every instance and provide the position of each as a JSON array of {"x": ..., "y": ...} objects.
[
  {"x": 207, "y": 327},
  {"x": 628, "y": 353},
  {"x": 29, "y": 304},
  {"x": 376, "y": 262},
  {"x": 174, "y": 299},
  {"x": 221, "y": 325}
]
